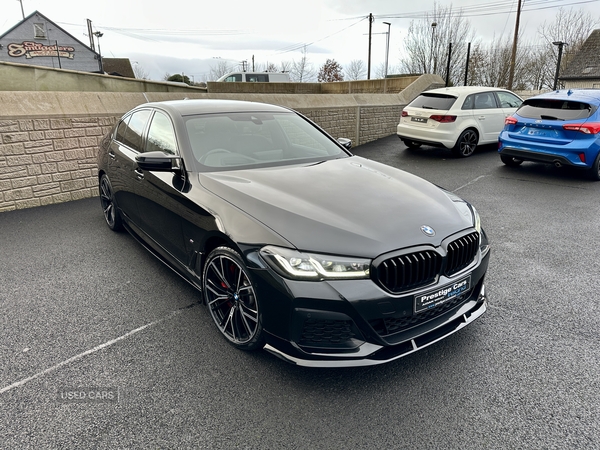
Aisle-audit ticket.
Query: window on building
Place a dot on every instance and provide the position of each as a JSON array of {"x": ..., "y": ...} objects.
[{"x": 39, "y": 31}]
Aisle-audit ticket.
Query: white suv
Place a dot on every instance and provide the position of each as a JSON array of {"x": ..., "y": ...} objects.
[{"x": 459, "y": 118}]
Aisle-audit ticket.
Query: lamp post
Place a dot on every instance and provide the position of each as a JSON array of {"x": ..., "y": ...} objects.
[
  {"x": 387, "y": 48},
  {"x": 99, "y": 34},
  {"x": 433, "y": 25},
  {"x": 560, "y": 49}
]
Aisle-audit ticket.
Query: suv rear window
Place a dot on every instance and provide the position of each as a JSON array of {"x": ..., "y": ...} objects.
[
  {"x": 433, "y": 101},
  {"x": 554, "y": 109}
]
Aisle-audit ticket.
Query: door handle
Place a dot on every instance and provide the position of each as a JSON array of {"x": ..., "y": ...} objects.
[
  {"x": 111, "y": 155},
  {"x": 139, "y": 174}
]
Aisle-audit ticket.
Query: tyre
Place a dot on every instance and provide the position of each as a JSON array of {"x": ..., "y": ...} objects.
[
  {"x": 231, "y": 299},
  {"x": 109, "y": 207},
  {"x": 466, "y": 144},
  {"x": 411, "y": 144},
  {"x": 594, "y": 171},
  {"x": 511, "y": 161}
]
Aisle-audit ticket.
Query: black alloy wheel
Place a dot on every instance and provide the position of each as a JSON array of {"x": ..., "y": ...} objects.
[
  {"x": 231, "y": 299},
  {"x": 411, "y": 144},
  {"x": 511, "y": 161},
  {"x": 107, "y": 199},
  {"x": 466, "y": 144},
  {"x": 595, "y": 169}
]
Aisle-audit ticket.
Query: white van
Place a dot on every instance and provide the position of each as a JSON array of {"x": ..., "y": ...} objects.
[{"x": 256, "y": 77}]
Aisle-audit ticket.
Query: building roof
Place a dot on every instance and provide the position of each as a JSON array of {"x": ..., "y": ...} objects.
[
  {"x": 58, "y": 27},
  {"x": 118, "y": 66},
  {"x": 586, "y": 62}
]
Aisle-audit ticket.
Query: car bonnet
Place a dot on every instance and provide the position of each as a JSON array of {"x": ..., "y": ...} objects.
[{"x": 349, "y": 206}]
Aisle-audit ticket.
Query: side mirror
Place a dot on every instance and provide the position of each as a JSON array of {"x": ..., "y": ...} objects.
[
  {"x": 158, "y": 161},
  {"x": 346, "y": 143}
]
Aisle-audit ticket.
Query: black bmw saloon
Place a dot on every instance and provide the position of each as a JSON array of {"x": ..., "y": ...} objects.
[{"x": 295, "y": 245}]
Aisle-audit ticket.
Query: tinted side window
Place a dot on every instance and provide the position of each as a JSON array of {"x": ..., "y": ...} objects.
[
  {"x": 433, "y": 101},
  {"x": 121, "y": 129},
  {"x": 468, "y": 104},
  {"x": 257, "y": 77},
  {"x": 484, "y": 100},
  {"x": 137, "y": 123},
  {"x": 508, "y": 100},
  {"x": 551, "y": 109},
  {"x": 161, "y": 136},
  {"x": 235, "y": 77}
]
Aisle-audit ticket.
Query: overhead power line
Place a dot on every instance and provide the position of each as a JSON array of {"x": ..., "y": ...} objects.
[{"x": 487, "y": 9}]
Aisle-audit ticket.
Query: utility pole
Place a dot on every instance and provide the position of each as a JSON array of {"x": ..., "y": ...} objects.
[
  {"x": 22, "y": 10},
  {"x": 448, "y": 66},
  {"x": 433, "y": 25},
  {"x": 513, "y": 55},
  {"x": 560, "y": 50},
  {"x": 369, "y": 63},
  {"x": 91, "y": 34},
  {"x": 467, "y": 63}
]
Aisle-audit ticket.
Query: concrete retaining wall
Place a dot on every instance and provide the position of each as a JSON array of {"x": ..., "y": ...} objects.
[
  {"x": 25, "y": 77},
  {"x": 51, "y": 121},
  {"x": 49, "y": 140}
]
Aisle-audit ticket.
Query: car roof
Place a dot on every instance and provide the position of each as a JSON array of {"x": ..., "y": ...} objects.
[
  {"x": 585, "y": 95},
  {"x": 463, "y": 90},
  {"x": 211, "y": 106}
]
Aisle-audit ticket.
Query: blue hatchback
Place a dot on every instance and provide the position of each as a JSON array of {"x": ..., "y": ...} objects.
[{"x": 560, "y": 127}]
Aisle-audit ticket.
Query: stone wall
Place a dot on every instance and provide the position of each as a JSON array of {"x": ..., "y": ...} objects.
[{"x": 53, "y": 160}]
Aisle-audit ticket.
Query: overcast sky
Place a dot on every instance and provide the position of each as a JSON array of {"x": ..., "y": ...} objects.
[{"x": 189, "y": 35}]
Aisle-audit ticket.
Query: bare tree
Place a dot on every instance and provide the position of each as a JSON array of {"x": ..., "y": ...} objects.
[
  {"x": 427, "y": 44},
  {"x": 571, "y": 27},
  {"x": 490, "y": 65},
  {"x": 380, "y": 71},
  {"x": 355, "y": 70},
  {"x": 222, "y": 68},
  {"x": 271, "y": 67},
  {"x": 302, "y": 70},
  {"x": 139, "y": 72},
  {"x": 285, "y": 66}
]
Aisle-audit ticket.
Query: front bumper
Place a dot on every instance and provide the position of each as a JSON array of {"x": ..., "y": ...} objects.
[
  {"x": 357, "y": 323},
  {"x": 369, "y": 354}
]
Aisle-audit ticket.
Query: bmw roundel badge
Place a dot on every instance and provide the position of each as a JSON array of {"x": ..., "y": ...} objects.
[{"x": 428, "y": 230}]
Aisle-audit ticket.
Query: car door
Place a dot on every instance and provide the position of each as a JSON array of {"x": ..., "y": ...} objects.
[
  {"x": 124, "y": 147},
  {"x": 161, "y": 194},
  {"x": 489, "y": 115}
]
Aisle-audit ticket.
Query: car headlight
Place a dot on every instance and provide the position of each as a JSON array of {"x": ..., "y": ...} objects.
[
  {"x": 476, "y": 219},
  {"x": 312, "y": 266}
]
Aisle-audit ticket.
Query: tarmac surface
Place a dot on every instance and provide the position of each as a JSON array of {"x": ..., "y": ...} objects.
[{"x": 104, "y": 347}]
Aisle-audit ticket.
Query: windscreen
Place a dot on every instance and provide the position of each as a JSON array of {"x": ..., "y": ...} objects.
[
  {"x": 245, "y": 139},
  {"x": 433, "y": 101},
  {"x": 555, "y": 109}
]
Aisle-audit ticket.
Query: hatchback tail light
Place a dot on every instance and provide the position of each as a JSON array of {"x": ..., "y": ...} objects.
[
  {"x": 510, "y": 120},
  {"x": 404, "y": 113},
  {"x": 586, "y": 128},
  {"x": 443, "y": 119}
]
